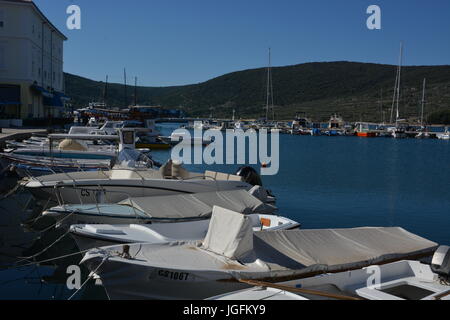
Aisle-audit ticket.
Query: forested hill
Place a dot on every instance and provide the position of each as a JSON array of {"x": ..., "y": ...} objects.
[{"x": 351, "y": 89}]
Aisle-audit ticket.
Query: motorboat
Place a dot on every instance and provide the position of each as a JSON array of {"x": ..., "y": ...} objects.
[
  {"x": 90, "y": 236},
  {"x": 27, "y": 166},
  {"x": 172, "y": 208},
  {"x": 397, "y": 132},
  {"x": 363, "y": 131},
  {"x": 424, "y": 135},
  {"x": 232, "y": 252},
  {"x": 444, "y": 136},
  {"x": 402, "y": 280},
  {"x": 336, "y": 122},
  {"x": 72, "y": 146},
  {"x": 121, "y": 182},
  {"x": 182, "y": 137},
  {"x": 74, "y": 159}
]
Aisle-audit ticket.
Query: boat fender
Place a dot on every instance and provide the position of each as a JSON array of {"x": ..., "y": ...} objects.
[{"x": 441, "y": 262}]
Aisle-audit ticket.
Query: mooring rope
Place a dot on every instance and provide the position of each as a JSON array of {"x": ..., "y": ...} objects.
[
  {"x": 13, "y": 191},
  {"x": 43, "y": 251},
  {"x": 91, "y": 275},
  {"x": 43, "y": 261}
]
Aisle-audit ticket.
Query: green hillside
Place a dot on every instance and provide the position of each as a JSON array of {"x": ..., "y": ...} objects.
[{"x": 317, "y": 89}]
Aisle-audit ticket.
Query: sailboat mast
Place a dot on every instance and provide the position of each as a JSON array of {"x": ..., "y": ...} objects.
[
  {"x": 399, "y": 80},
  {"x": 394, "y": 97},
  {"x": 125, "y": 82},
  {"x": 135, "y": 91},
  {"x": 268, "y": 85},
  {"x": 105, "y": 92},
  {"x": 423, "y": 101},
  {"x": 381, "y": 107}
]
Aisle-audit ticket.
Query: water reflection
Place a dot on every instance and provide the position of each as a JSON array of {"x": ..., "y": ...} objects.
[{"x": 28, "y": 246}]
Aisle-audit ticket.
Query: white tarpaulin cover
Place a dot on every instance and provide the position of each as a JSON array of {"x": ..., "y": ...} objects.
[
  {"x": 230, "y": 234},
  {"x": 198, "y": 205}
]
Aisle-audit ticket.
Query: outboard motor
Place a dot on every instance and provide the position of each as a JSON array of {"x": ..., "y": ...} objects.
[
  {"x": 250, "y": 176},
  {"x": 441, "y": 262}
]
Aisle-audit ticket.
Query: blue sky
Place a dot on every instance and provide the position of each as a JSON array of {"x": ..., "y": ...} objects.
[{"x": 176, "y": 42}]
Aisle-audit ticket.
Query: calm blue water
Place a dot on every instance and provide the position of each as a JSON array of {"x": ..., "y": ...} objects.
[
  {"x": 334, "y": 182},
  {"x": 324, "y": 182}
]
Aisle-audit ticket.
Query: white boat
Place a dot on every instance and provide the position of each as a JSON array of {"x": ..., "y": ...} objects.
[
  {"x": 397, "y": 132},
  {"x": 232, "y": 251},
  {"x": 120, "y": 183},
  {"x": 176, "y": 138},
  {"x": 95, "y": 236},
  {"x": 26, "y": 166},
  {"x": 444, "y": 136},
  {"x": 174, "y": 208},
  {"x": 423, "y": 135},
  {"x": 403, "y": 280}
]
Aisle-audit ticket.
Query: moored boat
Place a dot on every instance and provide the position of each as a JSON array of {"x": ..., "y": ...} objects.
[
  {"x": 96, "y": 236},
  {"x": 232, "y": 251},
  {"x": 403, "y": 280}
]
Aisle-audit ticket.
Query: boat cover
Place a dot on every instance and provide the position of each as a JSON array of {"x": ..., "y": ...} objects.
[
  {"x": 234, "y": 241},
  {"x": 332, "y": 250},
  {"x": 199, "y": 205},
  {"x": 278, "y": 255}
]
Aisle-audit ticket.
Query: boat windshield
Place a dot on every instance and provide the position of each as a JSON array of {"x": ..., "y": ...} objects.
[{"x": 131, "y": 158}]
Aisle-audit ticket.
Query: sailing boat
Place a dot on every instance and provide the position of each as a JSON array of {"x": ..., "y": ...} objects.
[
  {"x": 424, "y": 134},
  {"x": 269, "y": 97},
  {"x": 397, "y": 131}
]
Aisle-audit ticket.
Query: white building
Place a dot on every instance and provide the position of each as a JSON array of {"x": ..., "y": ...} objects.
[{"x": 31, "y": 63}]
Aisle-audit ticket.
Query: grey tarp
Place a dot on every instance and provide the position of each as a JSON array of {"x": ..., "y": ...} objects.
[
  {"x": 280, "y": 255},
  {"x": 340, "y": 249},
  {"x": 198, "y": 205}
]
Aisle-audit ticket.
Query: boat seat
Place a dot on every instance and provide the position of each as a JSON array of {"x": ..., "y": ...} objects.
[
  {"x": 210, "y": 175},
  {"x": 234, "y": 177},
  {"x": 222, "y": 176}
]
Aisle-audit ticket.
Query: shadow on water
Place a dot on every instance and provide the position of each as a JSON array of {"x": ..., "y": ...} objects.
[{"x": 24, "y": 246}]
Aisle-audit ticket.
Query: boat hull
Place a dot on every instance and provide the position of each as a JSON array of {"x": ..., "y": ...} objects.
[
  {"x": 366, "y": 134},
  {"x": 153, "y": 146},
  {"x": 110, "y": 191},
  {"x": 125, "y": 281}
]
